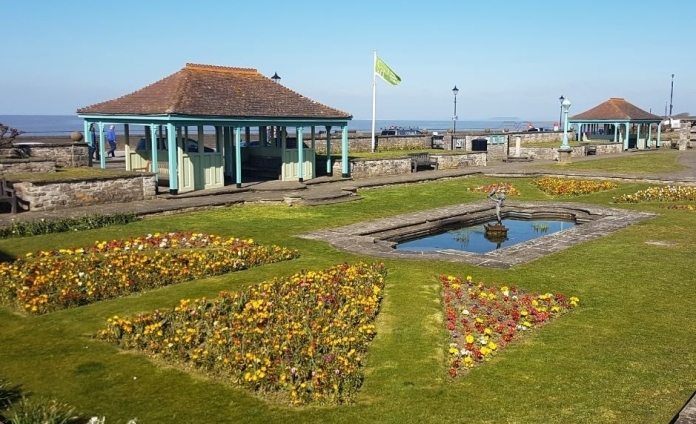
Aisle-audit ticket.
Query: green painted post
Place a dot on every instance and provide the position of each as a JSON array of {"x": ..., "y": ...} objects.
[
  {"x": 238, "y": 155},
  {"x": 227, "y": 135},
  {"x": 329, "y": 167},
  {"x": 173, "y": 166},
  {"x": 648, "y": 143},
  {"x": 344, "y": 152},
  {"x": 659, "y": 133},
  {"x": 638, "y": 136},
  {"x": 300, "y": 154},
  {"x": 616, "y": 132},
  {"x": 154, "y": 146},
  {"x": 625, "y": 145}
]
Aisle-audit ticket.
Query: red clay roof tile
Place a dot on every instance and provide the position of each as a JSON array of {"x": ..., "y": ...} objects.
[
  {"x": 615, "y": 109},
  {"x": 210, "y": 91}
]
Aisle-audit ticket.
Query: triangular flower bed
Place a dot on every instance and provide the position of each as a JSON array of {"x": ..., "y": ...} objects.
[
  {"x": 298, "y": 340},
  {"x": 483, "y": 319},
  {"x": 47, "y": 281}
]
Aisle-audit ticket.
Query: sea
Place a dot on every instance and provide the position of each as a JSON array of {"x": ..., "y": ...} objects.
[{"x": 63, "y": 125}]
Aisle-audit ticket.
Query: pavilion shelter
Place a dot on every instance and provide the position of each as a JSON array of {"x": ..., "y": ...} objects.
[
  {"x": 234, "y": 104},
  {"x": 618, "y": 121}
]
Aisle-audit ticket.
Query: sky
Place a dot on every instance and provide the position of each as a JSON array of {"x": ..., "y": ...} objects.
[{"x": 507, "y": 58}]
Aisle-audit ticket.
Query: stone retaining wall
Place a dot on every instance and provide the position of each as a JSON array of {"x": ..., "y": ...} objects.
[
  {"x": 54, "y": 195},
  {"x": 362, "y": 168},
  {"x": 65, "y": 155},
  {"x": 26, "y": 166},
  {"x": 363, "y": 142}
]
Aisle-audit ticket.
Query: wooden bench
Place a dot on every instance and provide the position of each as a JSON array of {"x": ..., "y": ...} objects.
[
  {"x": 268, "y": 166},
  {"x": 8, "y": 195},
  {"x": 422, "y": 159}
]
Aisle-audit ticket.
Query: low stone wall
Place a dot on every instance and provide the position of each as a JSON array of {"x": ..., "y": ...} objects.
[
  {"x": 362, "y": 168},
  {"x": 26, "y": 166},
  {"x": 54, "y": 195},
  {"x": 65, "y": 155},
  {"x": 498, "y": 152}
]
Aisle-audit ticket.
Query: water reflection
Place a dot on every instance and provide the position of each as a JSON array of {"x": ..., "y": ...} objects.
[{"x": 474, "y": 239}]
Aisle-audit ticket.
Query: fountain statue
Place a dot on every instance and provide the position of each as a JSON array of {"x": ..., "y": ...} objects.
[{"x": 497, "y": 230}]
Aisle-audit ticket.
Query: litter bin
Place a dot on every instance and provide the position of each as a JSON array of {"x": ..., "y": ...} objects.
[{"x": 479, "y": 145}]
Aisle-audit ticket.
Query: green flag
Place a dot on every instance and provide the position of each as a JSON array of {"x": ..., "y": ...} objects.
[{"x": 386, "y": 73}]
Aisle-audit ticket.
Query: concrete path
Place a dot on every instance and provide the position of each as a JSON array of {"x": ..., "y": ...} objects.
[{"x": 324, "y": 190}]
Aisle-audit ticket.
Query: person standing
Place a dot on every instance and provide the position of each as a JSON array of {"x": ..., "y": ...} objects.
[
  {"x": 93, "y": 138},
  {"x": 111, "y": 139}
]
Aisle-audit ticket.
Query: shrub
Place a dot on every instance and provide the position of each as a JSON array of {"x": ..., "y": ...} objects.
[
  {"x": 42, "y": 411},
  {"x": 47, "y": 226}
]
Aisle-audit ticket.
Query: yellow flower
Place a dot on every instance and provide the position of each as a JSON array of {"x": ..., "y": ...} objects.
[{"x": 469, "y": 338}]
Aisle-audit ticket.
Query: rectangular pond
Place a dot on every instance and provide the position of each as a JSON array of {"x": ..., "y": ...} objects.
[{"x": 474, "y": 238}]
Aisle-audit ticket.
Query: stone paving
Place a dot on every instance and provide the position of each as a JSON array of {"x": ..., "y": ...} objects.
[{"x": 370, "y": 238}]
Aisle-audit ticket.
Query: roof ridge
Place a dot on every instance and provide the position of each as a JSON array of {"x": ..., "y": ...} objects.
[{"x": 217, "y": 68}]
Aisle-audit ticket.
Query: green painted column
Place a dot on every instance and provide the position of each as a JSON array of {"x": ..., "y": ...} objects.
[
  {"x": 314, "y": 149},
  {"x": 625, "y": 143},
  {"x": 616, "y": 132},
  {"x": 173, "y": 165},
  {"x": 238, "y": 155},
  {"x": 329, "y": 166},
  {"x": 300, "y": 153},
  {"x": 659, "y": 134},
  {"x": 154, "y": 145},
  {"x": 638, "y": 136},
  {"x": 88, "y": 140},
  {"x": 263, "y": 135},
  {"x": 344, "y": 152},
  {"x": 102, "y": 150},
  {"x": 648, "y": 143},
  {"x": 227, "y": 135}
]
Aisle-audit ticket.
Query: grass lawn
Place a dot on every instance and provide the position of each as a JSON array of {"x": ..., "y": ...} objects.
[
  {"x": 637, "y": 163},
  {"x": 625, "y": 355}
]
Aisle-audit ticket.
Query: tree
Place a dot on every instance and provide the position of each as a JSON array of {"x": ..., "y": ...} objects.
[{"x": 7, "y": 135}]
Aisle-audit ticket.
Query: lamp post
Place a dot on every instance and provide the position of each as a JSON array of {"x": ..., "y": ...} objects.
[
  {"x": 560, "y": 114},
  {"x": 671, "y": 94},
  {"x": 275, "y": 77},
  {"x": 565, "y": 105},
  {"x": 455, "y": 91}
]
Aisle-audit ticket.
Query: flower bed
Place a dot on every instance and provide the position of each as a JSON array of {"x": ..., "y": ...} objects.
[
  {"x": 660, "y": 194},
  {"x": 505, "y": 188},
  {"x": 571, "y": 187},
  {"x": 483, "y": 319},
  {"x": 301, "y": 339},
  {"x": 682, "y": 207},
  {"x": 47, "y": 281}
]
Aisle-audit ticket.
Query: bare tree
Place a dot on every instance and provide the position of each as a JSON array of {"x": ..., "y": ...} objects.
[{"x": 7, "y": 135}]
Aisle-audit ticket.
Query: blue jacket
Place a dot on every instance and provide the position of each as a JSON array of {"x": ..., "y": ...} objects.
[{"x": 110, "y": 135}]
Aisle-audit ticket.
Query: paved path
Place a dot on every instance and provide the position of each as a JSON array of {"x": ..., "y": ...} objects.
[{"x": 325, "y": 190}]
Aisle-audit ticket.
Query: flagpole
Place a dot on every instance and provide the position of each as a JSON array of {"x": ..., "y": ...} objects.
[{"x": 374, "y": 97}]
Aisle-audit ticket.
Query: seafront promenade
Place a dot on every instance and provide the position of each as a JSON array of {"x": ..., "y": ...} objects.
[{"x": 326, "y": 190}]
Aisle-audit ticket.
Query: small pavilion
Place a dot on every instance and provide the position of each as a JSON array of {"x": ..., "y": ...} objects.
[
  {"x": 619, "y": 121},
  {"x": 234, "y": 104}
]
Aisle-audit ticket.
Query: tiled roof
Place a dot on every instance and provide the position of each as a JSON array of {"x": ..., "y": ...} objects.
[
  {"x": 206, "y": 90},
  {"x": 617, "y": 109}
]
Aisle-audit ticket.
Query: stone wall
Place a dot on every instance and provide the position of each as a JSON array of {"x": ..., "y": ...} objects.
[
  {"x": 65, "y": 155},
  {"x": 362, "y": 168},
  {"x": 26, "y": 166},
  {"x": 54, "y": 195},
  {"x": 363, "y": 142}
]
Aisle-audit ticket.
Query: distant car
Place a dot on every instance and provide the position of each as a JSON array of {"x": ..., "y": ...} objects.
[{"x": 192, "y": 146}]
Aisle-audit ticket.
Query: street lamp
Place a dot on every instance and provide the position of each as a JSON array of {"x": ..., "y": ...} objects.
[
  {"x": 275, "y": 77},
  {"x": 455, "y": 91},
  {"x": 560, "y": 114},
  {"x": 565, "y": 105},
  {"x": 671, "y": 94}
]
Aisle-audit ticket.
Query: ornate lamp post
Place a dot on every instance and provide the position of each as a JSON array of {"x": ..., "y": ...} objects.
[
  {"x": 560, "y": 114},
  {"x": 275, "y": 77},
  {"x": 565, "y": 105},
  {"x": 455, "y": 91}
]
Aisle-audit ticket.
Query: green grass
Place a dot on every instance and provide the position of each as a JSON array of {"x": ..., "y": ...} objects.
[
  {"x": 638, "y": 163},
  {"x": 625, "y": 355}
]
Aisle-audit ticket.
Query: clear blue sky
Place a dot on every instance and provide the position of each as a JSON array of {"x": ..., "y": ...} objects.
[{"x": 507, "y": 57}]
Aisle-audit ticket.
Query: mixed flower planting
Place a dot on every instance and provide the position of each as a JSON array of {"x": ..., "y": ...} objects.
[
  {"x": 484, "y": 319},
  {"x": 301, "y": 340},
  {"x": 668, "y": 193},
  {"x": 47, "y": 281},
  {"x": 502, "y": 187},
  {"x": 571, "y": 187}
]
